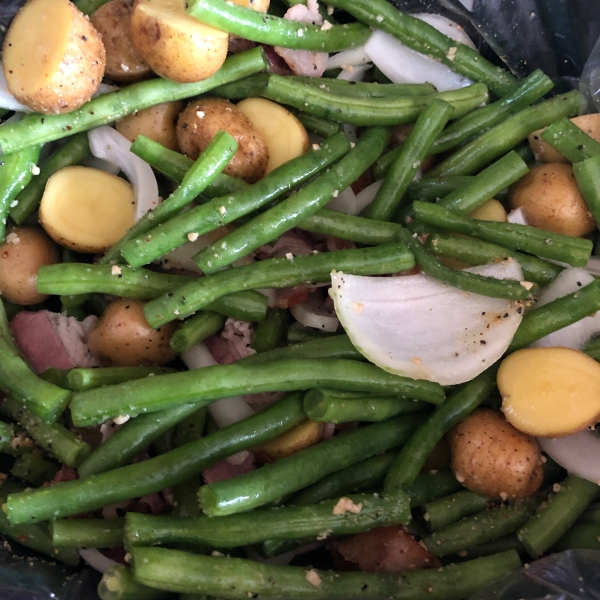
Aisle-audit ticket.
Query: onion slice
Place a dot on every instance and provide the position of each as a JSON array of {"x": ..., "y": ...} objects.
[
  {"x": 577, "y": 335},
  {"x": 96, "y": 559},
  {"x": 422, "y": 328},
  {"x": 312, "y": 313},
  {"x": 517, "y": 216},
  {"x": 354, "y": 57},
  {"x": 110, "y": 145},
  {"x": 578, "y": 453}
]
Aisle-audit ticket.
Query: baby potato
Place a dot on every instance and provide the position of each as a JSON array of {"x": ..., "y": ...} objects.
[
  {"x": 257, "y": 5},
  {"x": 306, "y": 434},
  {"x": 551, "y": 200},
  {"x": 53, "y": 58},
  {"x": 285, "y": 136},
  {"x": 492, "y": 210},
  {"x": 156, "y": 123},
  {"x": 176, "y": 45},
  {"x": 492, "y": 458},
  {"x": 25, "y": 250},
  {"x": 204, "y": 118},
  {"x": 550, "y": 392},
  {"x": 123, "y": 61},
  {"x": 122, "y": 337},
  {"x": 545, "y": 153},
  {"x": 86, "y": 209}
]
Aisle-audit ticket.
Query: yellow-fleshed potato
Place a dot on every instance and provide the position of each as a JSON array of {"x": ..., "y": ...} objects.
[
  {"x": 25, "y": 250},
  {"x": 123, "y": 61},
  {"x": 492, "y": 210},
  {"x": 176, "y": 45},
  {"x": 491, "y": 457},
  {"x": 123, "y": 338},
  {"x": 302, "y": 436},
  {"x": 551, "y": 200},
  {"x": 550, "y": 392},
  {"x": 257, "y": 5},
  {"x": 53, "y": 58},
  {"x": 545, "y": 153},
  {"x": 157, "y": 123},
  {"x": 86, "y": 209},
  {"x": 204, "y": 118},
  {"x": 284, "y": 135}
]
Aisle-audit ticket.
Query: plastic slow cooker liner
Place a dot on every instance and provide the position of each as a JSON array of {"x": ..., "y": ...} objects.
[{"x": 561, "y": 37}]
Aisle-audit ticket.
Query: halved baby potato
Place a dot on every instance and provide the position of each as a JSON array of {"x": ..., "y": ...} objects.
[
  {"x": 283, "y": 133},
  {"x": 550, "y": 392},
  {"x": 53, "y": 58},
  {"x": 302, "y": 436},
  {"x": 257, "y": 5},
  {"x": 86, "y": 209},
  {"x": 176, "y": 45}
]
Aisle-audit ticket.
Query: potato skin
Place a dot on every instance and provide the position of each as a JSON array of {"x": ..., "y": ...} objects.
[
  {"x": 550, "y": 199},
  {"x": 157, "y": 123},
  {"x": 204, "y": 118},
  {"x": 123, "y": 338},
  {"x": 123, "y": 61},
  {"x": 25, "y": 251},
  {"x": 78, "y": 75},
  {"x": 491, "y": 457}
]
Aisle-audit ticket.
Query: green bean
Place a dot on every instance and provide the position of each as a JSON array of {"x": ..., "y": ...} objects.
[
  {"x": 476, "y": 252},
  {"x": 585, "y": 537},
  {"x": 196, "y": 329},
  {"x": 367, "y": 111},
  {"x": 431, "y": 486},
  {"x": 390, "y": 195},
  {"x": 37, "y": 129},
  {"x": 5, "y": 331},
  {"x": 89, "y": 533},
  {"x": 32, "y": 535},
  {"x": 269, "y": 333},
  {"x": 572, "y": 142},
  {"x": 87, "y": 7},
  {"x": 450, "y": 509},
  {"x": 281, "y": 523},
  {"x": 275, "y": 480},
  {"x": 461, "y": 403},
  {"x": 175, "y": 165},
  {"x": 529, "y": 90},
  {"x": 275, "y": 31},
  {"x": 16, "y": 171},
  {"x": 430, "y": 190},
  {"x": 235, "y": 578},
  {"x": 72, "y": 153},
  {"x": 33, "y": 469},
  {"x": 82, "y": 379},
  {"x": 249, "y": 87},
  {"x": 333, "y": 406},
  {"x": 316, "y": 125},
  {"x": 557, "y": 314},
  {"x": 7, "y": 435},
  {"x": 118, "y": 583},
  {"x": 590, "y": 516},
  {"x": 587, "y": 175},
  {"x": 360, "y": 89},
  {"x": 275, "y": 221},
  {"x": 131, "y": 439},
  {"x": 14, "y": 442},
  {"x": 191, "y": 428},
  {"x": 486, "y": 184},
  {"x": 350, "y": 227},
  {"x": 508, "y": 542},
  {"x": 297, "y": 334},
  {"x": 501, "y": 138},
  {"x": 276, "y": 273},
  {"x": 141, "y": 284},
  {"x": 335, "y": 346},
  {"x": 554, "y": 517},
  {"x": 156, "y": 474},
  {"x": 203, "y": 386},
  {"x": 485, "y": 526},
  {"x": 542, "y": 243},
  {"x": 463, "y": 280},
  {"x": 209, "y": 164},
  {"x": 592, "y": 348},
  {"x": 54, "y": 438},
  {"x": 220, "y": 211}
]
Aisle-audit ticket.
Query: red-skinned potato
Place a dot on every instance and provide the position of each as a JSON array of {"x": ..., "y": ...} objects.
[
  {"x": 492, "y": 458},
  {"x": 123, "y": 338},
  {"x": 25, "y": 250}
]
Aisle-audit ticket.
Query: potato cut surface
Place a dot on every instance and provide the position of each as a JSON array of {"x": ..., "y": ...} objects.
[
  {"x": 302, "y": 436},
  {"x": 550, "y": 392},
  {"x": 87, "y": 209}
]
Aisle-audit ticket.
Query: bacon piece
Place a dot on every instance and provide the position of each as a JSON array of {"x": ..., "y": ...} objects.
[
  {"x": 64, "y": 474},
  {"x": 385, "y": 550},
  {"x": 238, "y": 44},
  {"x": 49, "y": 339},
  {"x": 238, "y": 464},
  {"x": 288, "y": 297},
  {"x": 276, "y": 64}
]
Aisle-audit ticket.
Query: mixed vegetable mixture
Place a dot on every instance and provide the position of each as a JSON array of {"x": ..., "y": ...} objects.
[{"x": 300, "y": 302}]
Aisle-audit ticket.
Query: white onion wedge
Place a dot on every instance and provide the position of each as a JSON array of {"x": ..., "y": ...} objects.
[
  {"x": 577, "y": 335},
  {"x": 354, "y": 73},
  {"x": 312, "y": 313},
  {"x": 110, "y": 145},
  {"x": 344, "y": 202},
  {"x": 593, "y": 265},
  {"x": 356, "y": 56},
  {"x": 96, "y": 559},
  {"x": 453, "y": 30},
  {"x": 578, "y": 453},
  {"x": 517, "y": 216},
  {"x": 422, "y": 328}
]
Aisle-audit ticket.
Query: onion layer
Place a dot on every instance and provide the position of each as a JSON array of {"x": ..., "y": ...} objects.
[{"x": 578, "y": 453}]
